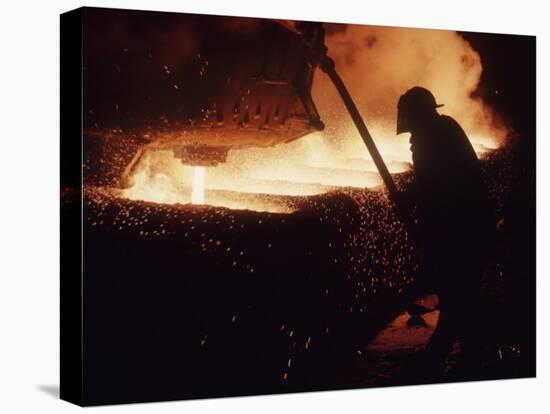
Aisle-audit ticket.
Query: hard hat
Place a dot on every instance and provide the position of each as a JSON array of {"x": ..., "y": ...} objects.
[{"x": 416, "y": 101}]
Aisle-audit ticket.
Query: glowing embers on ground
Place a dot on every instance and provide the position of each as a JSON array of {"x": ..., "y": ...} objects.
[{"x": 197, "y": 194}]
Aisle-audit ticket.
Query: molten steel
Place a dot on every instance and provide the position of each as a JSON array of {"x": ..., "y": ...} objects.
[
  {"x": 309, "y": 166},
  {"x": 197, "y": 194}
]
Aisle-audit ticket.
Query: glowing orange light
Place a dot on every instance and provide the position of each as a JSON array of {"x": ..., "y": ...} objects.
[
  {"x": 336, "y": 158},
  {"x": 197, "y": 193}
]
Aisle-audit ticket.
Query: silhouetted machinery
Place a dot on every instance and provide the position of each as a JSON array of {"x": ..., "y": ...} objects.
[{"x": 199, "y": 86}]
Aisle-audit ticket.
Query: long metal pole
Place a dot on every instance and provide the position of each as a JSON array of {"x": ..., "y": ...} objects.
[{"x": 327, "y": 65}]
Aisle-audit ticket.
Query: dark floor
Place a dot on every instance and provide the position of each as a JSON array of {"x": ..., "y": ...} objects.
[{"x": 189, "y": 301}]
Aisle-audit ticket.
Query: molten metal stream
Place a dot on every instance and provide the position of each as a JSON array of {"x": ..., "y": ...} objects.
[{"x": 197, "y": 193}]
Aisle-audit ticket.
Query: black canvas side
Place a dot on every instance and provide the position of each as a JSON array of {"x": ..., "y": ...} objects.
[{"x": 71, "y": 206}]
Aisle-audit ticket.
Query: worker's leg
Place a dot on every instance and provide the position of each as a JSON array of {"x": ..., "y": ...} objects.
[
  {"x": 445, "y": 334},
  {"x": 428, "y": 365},
  {"x": 447, "y": 279},
  {"x": 436, "y": 269},
  {"x": 469, "y": 328}
]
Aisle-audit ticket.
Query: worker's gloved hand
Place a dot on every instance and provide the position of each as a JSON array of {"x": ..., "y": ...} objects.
[{"x": 404, "y": 204}]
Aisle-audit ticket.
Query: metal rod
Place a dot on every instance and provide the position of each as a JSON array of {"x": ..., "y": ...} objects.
[{"x": 327, "y": 65}]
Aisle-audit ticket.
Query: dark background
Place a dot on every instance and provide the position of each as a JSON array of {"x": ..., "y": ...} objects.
[{"x": 508, "y": 81}]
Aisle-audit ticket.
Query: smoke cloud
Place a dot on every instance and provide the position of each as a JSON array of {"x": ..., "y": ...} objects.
[{"x": 378, "y": 64}]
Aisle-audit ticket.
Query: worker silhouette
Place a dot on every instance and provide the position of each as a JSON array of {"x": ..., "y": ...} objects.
[{"x": 452, "y": 215}]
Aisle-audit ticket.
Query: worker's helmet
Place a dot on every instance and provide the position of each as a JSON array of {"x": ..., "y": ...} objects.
[{"x": 415, "y": 104}]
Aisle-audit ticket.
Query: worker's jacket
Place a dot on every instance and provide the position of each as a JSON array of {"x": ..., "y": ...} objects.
[{"x": 448, "y": 188}]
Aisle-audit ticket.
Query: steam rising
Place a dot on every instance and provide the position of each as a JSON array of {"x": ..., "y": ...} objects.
[{"x": 378, "y": 64}]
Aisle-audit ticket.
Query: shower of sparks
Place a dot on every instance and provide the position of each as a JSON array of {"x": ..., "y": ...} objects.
[{"x": 357, "y": 239}]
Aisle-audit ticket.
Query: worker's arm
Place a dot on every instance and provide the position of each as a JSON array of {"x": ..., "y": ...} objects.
[{"x": 405, "y": 200}]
